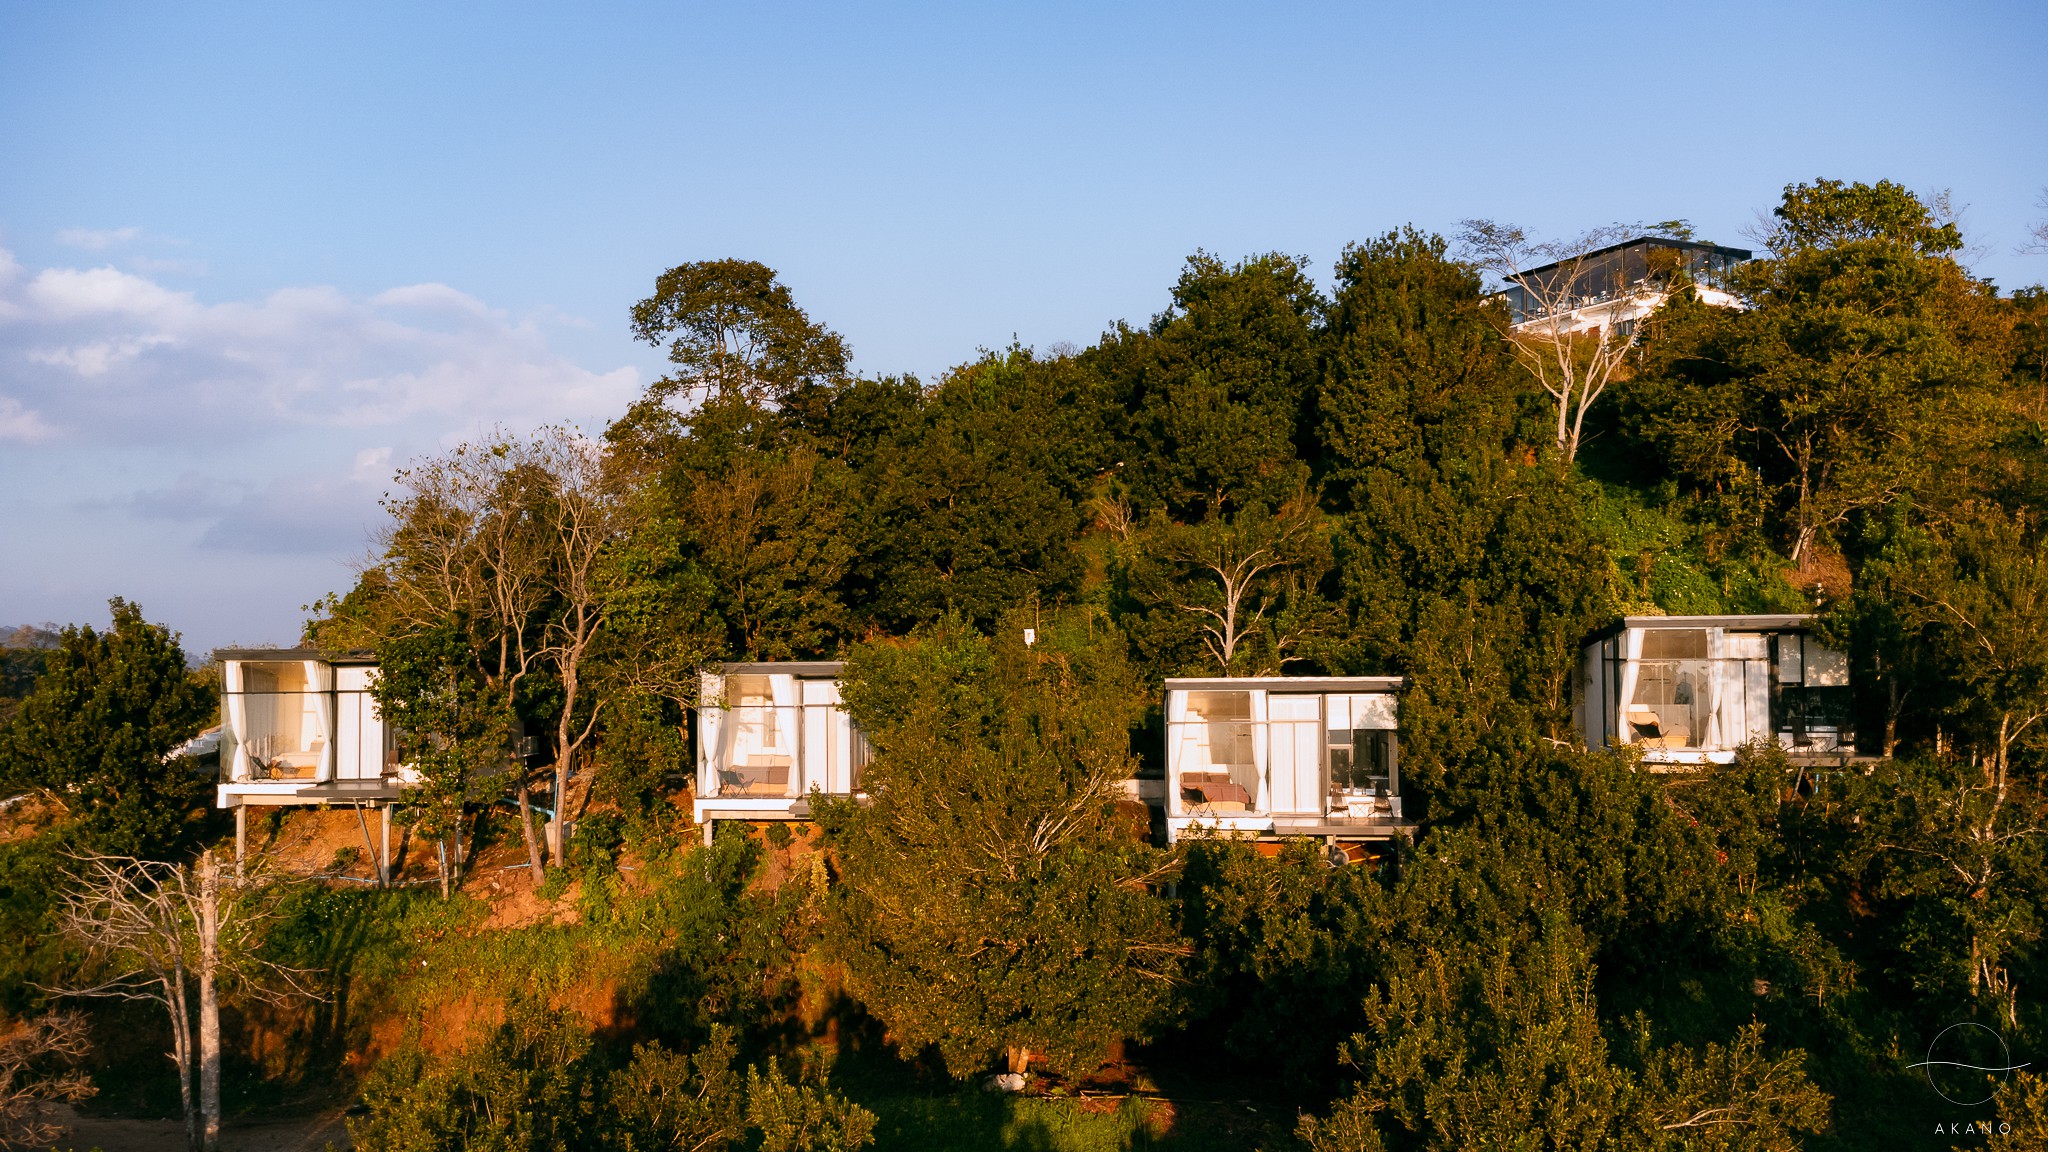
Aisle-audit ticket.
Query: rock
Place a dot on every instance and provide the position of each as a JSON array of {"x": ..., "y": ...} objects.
[{"x": 1005, "y": 1082}]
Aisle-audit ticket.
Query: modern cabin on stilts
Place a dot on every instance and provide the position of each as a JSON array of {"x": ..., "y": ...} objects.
[{"x": 300, "y": 728}]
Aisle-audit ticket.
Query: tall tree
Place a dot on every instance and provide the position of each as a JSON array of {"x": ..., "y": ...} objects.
[
  {"x": 174, "y": 936},
  {"x": 1860, "y": 366},
  {"x": 991, "y": 904},
  {"x": 975, "y": 505},
  {"x": 507, "y": 541},
  {"x": 1454, "y": 547},
  {"x": 734, "y": 330},
  {"x": 97, "y": 734},
  {"x": 1215, "y": 391}
]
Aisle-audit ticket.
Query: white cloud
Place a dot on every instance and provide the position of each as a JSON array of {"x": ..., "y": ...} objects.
[
  {"x": 97, "y": 239},
  {"x": 21, "y": 424},
  {"x": 372, "y": 465},
  {"x": 105, "y": 355}
]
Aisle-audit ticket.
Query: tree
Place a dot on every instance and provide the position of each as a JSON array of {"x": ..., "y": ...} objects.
[
  {"x": 1861, "y": 366},
  {"x": 39, "y": 1071},
  {"x": 990, "y": 903},
  {"x": 1955, "y": 615},
  {"x": 507, "y": 544},
  {"x": 1510, "y": 1052},
  {"x": 770, "y": 531},
  {"x": 1214, "y": 392},
  {"x": 583, "y": 516},
  {"x": 537, "y": 1083},
  {"x": 974, "y": 506},
  {"x": 2037, "y": 237},
  {"x": 1245, "y": 585},
  {"x": 22, "y": 653},
  {"x": 97, "y": 733},
  {"x": 453, "y": 728},
  {"x": 734, "y": 330},
  {"x": 1416, "y": 374},
  {"x": 152, "y": 931},
  {"x": 1574, "y": 343}
]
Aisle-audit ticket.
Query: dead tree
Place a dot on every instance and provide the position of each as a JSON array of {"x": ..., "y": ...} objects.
[
  {"x": 152, "y": 931},
  {"x": 39, "y": 1070},
  {"x": 1233, "y": 580},
  {"x": 1571, "y": 336},
  {"x": 2037, "y": 237}
]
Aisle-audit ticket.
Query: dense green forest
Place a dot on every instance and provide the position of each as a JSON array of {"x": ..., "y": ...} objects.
[{"x": 1271, "y": 475}]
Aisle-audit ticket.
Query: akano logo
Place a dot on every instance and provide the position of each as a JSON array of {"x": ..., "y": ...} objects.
[{"x": 1967, "y": 1063}]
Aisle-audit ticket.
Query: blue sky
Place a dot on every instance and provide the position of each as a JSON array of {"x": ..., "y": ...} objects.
[{"x": 257, "y": 256}]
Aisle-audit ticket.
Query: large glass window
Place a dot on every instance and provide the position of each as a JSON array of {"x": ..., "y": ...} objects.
[
  {"x": 1360, "y": 739},
  {"x": 1215, "y": 754},
  {"x": 757, "y": 756},
  {"x": 1673, "y": 688},
  {"x": 279, "y": 713}
]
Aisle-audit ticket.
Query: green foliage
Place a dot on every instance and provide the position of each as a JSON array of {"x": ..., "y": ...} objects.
[
  {"x": 1214, "y": 392},
  {"x": 538, "y": 1084},
  {"x": 665, "y": 1099},
  {"x": 734, "y": 330},
  {"x": 1954, "y": 617},
  {"x": 1282, "y": 948},
  {"x": 1855, "y": 372},
  {"x": 1510, "y": 1051},
  {"x": 1235, "y": 595},
  {"x": 1664, "y": 561},
  {"x": 792, "y": 1118},
  {"x": 990, "y": 902},
  {"x": 529, "y": 1086},
  {"x": 641, "y": 755},
  {"x": 974, "y": 507},
  {"x": 96, "y": 736},
  {"x": 32, "y": 871},
  {"x": 453, "y": 726},
  {"x": 22, "y": 653}
]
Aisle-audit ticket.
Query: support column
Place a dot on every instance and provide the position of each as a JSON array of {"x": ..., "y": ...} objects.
[
  {"x": 241, "y": 836},
  {"x": 384, "y": 860},
  {"x": 707, "y": 833}
]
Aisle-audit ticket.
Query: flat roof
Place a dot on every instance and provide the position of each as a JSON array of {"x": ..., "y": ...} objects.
[
  {"x": 1763, "y": 622},
  {"x": 1647, "y": 241},
  {"x": 251, "y": 654},
  {"x": 1322, "y": 683},
  {"x": 780, "y": 668}
]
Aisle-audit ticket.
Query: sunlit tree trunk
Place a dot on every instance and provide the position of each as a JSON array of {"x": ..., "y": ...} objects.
[{"x": 209, "y": 1003}]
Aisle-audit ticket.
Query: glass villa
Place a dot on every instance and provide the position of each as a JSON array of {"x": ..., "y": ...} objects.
[
  {"x": 1694, "y": 689},
  {"x": 1265, "y": 756}
]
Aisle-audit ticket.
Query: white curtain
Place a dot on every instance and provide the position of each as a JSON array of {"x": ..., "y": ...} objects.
[
  {"x": 788, "y": 728},
  {"x": 320, "y": 702},
  {"x": 1176, "y": 741},
  {"x": 1727, "y": 727},
  {"x": 238, "y": 719},
  {"x": 1261, "y": 761},
  {"x": 711, "y": 749},
  {"x": 1631, "y": 668}
]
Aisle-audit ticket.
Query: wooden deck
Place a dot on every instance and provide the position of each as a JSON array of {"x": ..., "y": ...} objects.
[{"x": 1345, "y": 828}]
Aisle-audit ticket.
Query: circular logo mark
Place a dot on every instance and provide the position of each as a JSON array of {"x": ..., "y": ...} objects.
[{"x": 1966, "y": 1064}]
